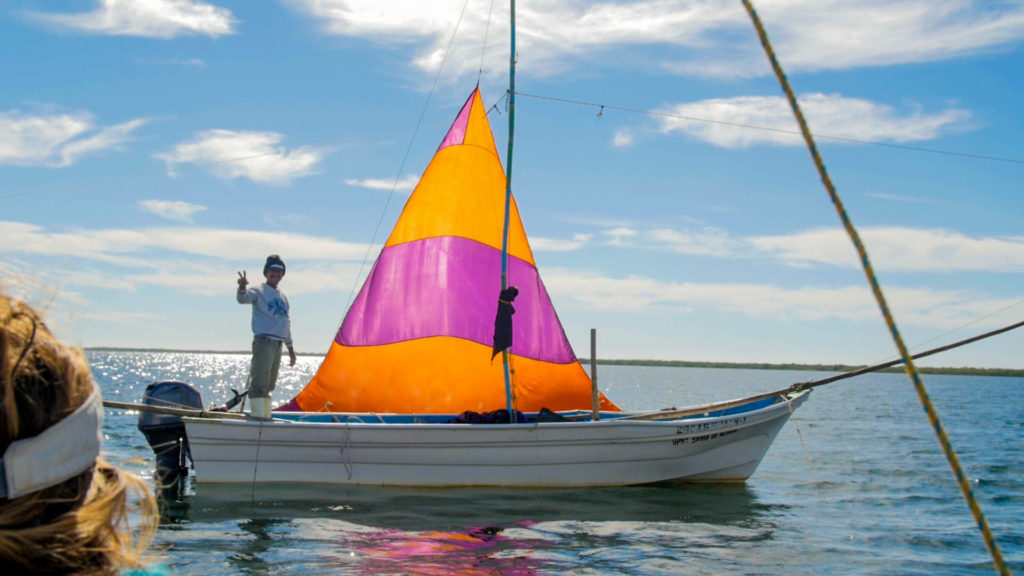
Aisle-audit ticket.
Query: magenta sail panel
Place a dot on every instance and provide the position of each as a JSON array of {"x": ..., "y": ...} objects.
[
  {"x": 433, "y": 287},
  {"x": 457, "y": 133}
]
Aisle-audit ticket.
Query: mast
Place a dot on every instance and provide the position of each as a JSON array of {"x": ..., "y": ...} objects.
[{"x": 508, "y": 188}]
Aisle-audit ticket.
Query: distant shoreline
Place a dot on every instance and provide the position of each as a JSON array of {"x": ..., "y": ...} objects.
[{"x": 960, "y": 371}]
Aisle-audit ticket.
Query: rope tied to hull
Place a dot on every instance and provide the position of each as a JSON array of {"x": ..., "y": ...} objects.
[{"x": 911, "y": 370}]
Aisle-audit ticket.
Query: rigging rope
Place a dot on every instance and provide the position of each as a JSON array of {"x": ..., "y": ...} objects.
[
  {"x": 362, "y": 140},
  {"x": 483, "y": 48},
  {"x": 600, "y": 114},
  {"x": 962, "y": 326},
  {"x": 405, "y": 158},
  {"x": 255, "y": 467},
  {"x": 602, "y": 108},
  {"x": 912, "y": 373}
]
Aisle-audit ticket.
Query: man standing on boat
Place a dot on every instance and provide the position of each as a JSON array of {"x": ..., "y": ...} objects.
[{"x": 271, "y": 326}]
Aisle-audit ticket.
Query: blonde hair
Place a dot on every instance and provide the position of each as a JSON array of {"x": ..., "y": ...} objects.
[{"x": 80, "y": 525}]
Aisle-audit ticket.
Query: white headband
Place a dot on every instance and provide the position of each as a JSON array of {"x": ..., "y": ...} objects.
[{"x": 62, "y": 451}]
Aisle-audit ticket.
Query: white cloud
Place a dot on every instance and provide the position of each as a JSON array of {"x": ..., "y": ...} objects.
[
  {"x": 147, "y": 18},
  {"x": 899, "y": 198},
  {"x": 106, "y": 138},
  {"x": 114, "y": 244},
  {"x": 709, "y": 242},
  {"x": 548, "y": 32},
  {"x": 841, "y": 34},
  {"x": 57, "y": 140},
  {"x": 388, "y": 19},
  {"x": 635, "y": 294},
  {"x": 209, "y": 278},
  {"x": 623, "y": 138},
  {"x": 253, "y": 155},
  {"x": 171, "y": 210},
  {"x": 108, "y": 246},
  {"x": 891, "y": 249},
  {"x": 899, "y": 250},
  {"x": 621, "y": 236},
  {"x": 95, "y": 279},
  {"x": 704, "y": 37},
  {"x": 726, "y": 122},
  {"x": 560, "y": 244},
  {"x": 193, "y": 260},
  {"x": 406, "y": 184}
]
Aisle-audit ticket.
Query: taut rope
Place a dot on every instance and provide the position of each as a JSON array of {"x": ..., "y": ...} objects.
[{"x": 915, "y": 378}]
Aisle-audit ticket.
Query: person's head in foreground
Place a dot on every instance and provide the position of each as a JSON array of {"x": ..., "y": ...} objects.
[{"x": 63, "y": 509}]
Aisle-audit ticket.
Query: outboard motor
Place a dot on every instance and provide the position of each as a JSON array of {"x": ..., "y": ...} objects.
[{"x": 166, "y": 432}]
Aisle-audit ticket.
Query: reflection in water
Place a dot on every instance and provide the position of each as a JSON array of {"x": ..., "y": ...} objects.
[
  {"x": 416, "y": 508},
  {"x": 374, "y": 530},
  {"x": 479, "y": 551},
  {"x": 249, "y": 559}
]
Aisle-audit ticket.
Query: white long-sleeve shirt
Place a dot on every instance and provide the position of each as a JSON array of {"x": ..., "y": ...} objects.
[{"x": 269, "y": 312}]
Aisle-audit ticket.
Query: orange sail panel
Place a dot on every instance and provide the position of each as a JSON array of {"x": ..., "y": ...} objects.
[{"x": 418, "y": 337}]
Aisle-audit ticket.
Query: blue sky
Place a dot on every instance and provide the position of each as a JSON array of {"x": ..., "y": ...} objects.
[{"x": 149, "y": 150}]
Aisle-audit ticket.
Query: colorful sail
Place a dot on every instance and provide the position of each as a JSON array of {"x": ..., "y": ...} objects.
[{"x": 418, "y": 337}]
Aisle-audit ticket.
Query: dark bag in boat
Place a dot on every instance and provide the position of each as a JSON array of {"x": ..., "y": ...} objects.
[
  {"x": 496, "y": 417},
  {"x": 501, "y": 416},
  {"x": 546, "y": 415},
  {"x": 468, "y": 417}
]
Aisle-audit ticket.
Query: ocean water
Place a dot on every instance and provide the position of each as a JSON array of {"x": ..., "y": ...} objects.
[{"x": 855, "y": 483}]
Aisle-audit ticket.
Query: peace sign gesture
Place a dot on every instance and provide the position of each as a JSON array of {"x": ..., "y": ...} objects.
[{"x": 242, "y": 280}]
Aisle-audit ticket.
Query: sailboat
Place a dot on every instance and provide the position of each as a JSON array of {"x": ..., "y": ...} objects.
[
  {"x": 416, "y": 388},
  {"x": 451, "y": 368}
]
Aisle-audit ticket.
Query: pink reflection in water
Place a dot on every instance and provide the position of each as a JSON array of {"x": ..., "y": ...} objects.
[{"x": 483, "y": 550}]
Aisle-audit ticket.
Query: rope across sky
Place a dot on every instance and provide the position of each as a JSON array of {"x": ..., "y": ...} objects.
[{"x": 603, "y": 107}]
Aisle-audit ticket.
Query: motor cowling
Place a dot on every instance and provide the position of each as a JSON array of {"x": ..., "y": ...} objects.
[{"x": 166, "y": 432}]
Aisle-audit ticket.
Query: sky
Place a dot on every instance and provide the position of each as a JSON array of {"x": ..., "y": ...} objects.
[{"x": 151, "y": 150}]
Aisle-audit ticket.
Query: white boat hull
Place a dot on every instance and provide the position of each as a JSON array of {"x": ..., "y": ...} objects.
[{"x": 607, "y": 452}]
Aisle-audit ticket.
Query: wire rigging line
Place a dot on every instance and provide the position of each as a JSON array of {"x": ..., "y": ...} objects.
[
  {"x": 807, "y": 385},
  {"x": 483, "y": 47},
  {"x": 891, "y": 360},
  {"x": 80, "y": 184},
  {"x": 328, "y": 145},
  {"x": 603, "y": 107},
  {"x": 890, "y": 321},
  {"x": 405, "y": 157},
  {"x": 971, "y": 323}
]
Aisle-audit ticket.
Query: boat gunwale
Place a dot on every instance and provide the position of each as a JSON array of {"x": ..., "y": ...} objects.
[{"x": 790, "y": 401}]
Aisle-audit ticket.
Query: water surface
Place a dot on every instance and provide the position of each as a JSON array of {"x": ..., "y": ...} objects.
[{"x": 854, "y": 484}]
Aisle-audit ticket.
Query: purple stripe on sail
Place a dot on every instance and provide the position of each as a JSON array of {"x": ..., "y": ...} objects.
[
  {"x": 449, "y": 286},
  {"x": 457, "y": 133}
]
